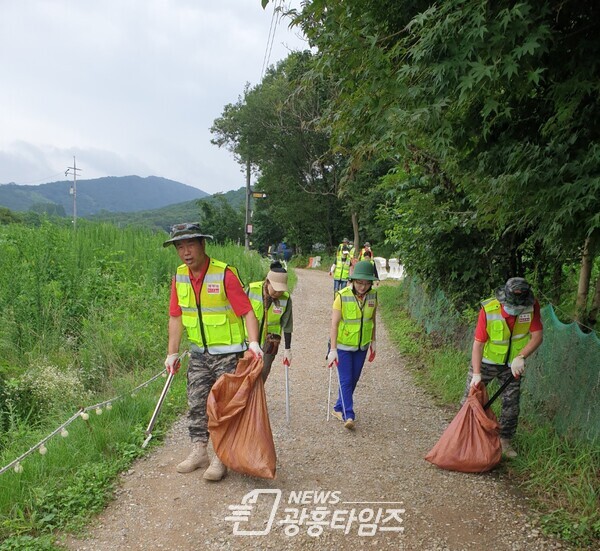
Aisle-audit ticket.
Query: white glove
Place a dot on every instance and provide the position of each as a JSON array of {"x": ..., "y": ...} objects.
[
  {"x": 287, "y": 357},
  {"x": 256, "y": 349},
  {"x": 172, "y": 363},
  {"x": 332, "y": 358},
  {"x": 517, "y": 366},
  {"x": 476, "y": 379}
]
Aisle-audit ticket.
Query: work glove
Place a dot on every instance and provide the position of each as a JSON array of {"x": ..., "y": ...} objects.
[
  {"x": 172, "y": 364},
  {"x": 517, "y": 366},
  {"x": 287, "y": 357},
  {"x": 372, "y": 347},
  {"x": 255, "y": 348},
  {"x": 476, "y": 379},
  {"x": 332, "y": 358}
]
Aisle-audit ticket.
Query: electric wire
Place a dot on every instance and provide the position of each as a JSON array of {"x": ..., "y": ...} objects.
[{"x": 275, "y": 18}]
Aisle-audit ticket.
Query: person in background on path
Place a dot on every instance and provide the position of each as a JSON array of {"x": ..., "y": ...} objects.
[
  {"x": 364, "y": 250},
  {"x": 208, "y": 300},
  {"x": 352, "y": 335},
  {"x": 509, "y": 329},
  {"x": 343, "y": 259},
  {"x": 272, "y": 296},
  {"x": 368, "y": 256}
]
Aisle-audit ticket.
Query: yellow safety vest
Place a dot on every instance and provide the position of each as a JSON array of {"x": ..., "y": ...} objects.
[
  {"x": 362, "y": 254},
  {"x": 342, "y": 267},
  {"x": 211, "y": 325},
  {"x": 496, "y": 349},
  {"x": 274, "y": 313},
  {"x": 356, "y": 326}
]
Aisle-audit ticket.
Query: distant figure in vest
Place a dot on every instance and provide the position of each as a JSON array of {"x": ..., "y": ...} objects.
[
  {"x": 352, "y": 335},
  {"x": 272, "y": 305},
  {"x": 368, "y": 256},
  {"x": 343, "y": 261},
  {"x": 366, "y": 249},
  {"x": 509, "y": 329},
  {"x": 203, "y": 292}
]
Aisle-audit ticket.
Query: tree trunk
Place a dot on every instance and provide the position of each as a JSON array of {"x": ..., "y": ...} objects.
[
  {"x": 356, "y": 238},
  {"x": 593, "y": 317},
  {"x": 585, "y": 274},
  {"x": 557, "y": 280}
]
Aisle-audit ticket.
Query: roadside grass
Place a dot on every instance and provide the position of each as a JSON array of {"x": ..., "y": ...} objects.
[
  {"x": 61, "y": 490},
  {"x": 561, "y": 476},
  {"x": 91, "y": 324}
]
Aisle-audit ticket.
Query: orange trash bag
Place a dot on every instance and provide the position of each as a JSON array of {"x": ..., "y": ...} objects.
[
  {"x": 470, "y": 443},
  {"x": 238, "y": 420}
]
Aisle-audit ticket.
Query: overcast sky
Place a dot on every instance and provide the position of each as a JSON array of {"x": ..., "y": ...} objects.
[{"x": 128, "y": 86}]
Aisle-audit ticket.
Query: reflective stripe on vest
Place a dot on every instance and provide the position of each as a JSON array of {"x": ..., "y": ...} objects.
[
  {"x": 356, "y": 326},
  {"x": 500, "y": 339},
  {"x": 255, "y": 294},
  {"x": 212, "y": 325}
]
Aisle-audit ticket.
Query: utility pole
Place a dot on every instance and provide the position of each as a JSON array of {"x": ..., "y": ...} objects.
[
  {"x": 248, "y": 229},
  {"x": 73, "y": 190}
]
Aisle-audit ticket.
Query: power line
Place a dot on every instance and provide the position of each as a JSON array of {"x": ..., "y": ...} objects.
[{"x": 275, "y": 18}]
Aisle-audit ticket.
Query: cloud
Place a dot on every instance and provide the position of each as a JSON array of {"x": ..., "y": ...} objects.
[{"x": 128, "y": 87}]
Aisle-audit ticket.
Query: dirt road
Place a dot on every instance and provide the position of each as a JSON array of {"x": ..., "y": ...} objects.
[{"x": 364, "y": 485}]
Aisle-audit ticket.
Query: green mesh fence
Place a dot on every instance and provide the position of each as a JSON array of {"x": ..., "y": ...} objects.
[
  {"x": 562, "y": 382},
  {"x": 436, "y": 314}
]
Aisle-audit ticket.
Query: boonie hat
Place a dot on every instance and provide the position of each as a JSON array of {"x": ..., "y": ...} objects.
[
  {"x": 345, "y": 240},
  {"x": 185, "y": 231},
  {"x": 367, "y": 244},
  {"x": 515, "y": 292},
  {"x": 278, "y": 280},
  {"x": 364, "y": 270}
]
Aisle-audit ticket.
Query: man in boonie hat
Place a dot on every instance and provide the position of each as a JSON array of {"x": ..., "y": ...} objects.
[
  {"x": 509, "y": 329},
  {"x": 208, "y": 300},
  {"x": 353, "y": 306},
  {"x": 364, "y": 250},
  {"x": 272, "y": 305}
]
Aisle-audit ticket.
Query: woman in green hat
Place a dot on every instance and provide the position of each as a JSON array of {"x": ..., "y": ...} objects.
[{"x": 352, "y": 336}]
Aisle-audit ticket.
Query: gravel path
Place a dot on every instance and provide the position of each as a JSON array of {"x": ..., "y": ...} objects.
[{"x": 377, "y": 467}]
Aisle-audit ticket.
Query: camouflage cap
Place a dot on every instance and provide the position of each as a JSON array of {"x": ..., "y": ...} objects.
[
  {"x": 515, "y": 292},
  {"x": 185, "y": 231}
]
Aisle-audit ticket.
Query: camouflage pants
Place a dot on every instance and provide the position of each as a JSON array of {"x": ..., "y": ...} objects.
[
  {"x": 511, "y": 396},
  {"x": 203, "y": 371}
]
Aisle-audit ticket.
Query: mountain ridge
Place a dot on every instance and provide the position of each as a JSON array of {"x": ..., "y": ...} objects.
[{"x": 106, "y": 194}]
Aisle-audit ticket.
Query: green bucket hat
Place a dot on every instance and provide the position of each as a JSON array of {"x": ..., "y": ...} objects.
[
  {"x": 364, "y": 270},
  {"x": 185, "y": 231}
]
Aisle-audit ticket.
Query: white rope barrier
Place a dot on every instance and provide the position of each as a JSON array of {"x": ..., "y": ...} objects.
[{"x": 81, "y": 412}]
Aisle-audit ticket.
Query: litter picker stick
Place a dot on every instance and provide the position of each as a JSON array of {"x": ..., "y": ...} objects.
[
  {"x": 159, "y": 404},
  {"x": 499, "y": 391},
  {"x": 287, "y": 393},
  {"x": 337, "y": 372},
  {"x": 329, "y": 393}
]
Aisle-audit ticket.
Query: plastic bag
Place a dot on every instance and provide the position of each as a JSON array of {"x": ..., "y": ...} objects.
[
  {"x": 471, "y": 443},
  {"x": 238, "y": 420}
]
